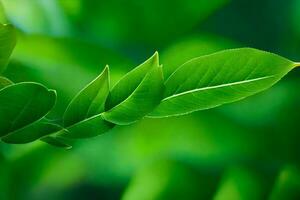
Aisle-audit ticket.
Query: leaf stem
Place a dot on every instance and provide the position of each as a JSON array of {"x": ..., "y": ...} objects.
[{"x": 297, "y": 64}]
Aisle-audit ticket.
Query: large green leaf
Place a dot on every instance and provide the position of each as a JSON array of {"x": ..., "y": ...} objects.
[
  {"x": 136, "y": 94},
  {"x": 22, "y": 104},
  {"x": 8, "y": 42},
  {"x": 224, "y": 77}
]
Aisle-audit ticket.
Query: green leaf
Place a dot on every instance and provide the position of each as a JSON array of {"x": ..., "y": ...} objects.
[
  {"x": 136, "y": 94},
  {"x": 8, "y": 42},
  {"x": 224, "y": 77},
  {"x": 90, "y": 101},
  {"x": 4, "y": 82},
  {"x": 83, "y": 116},
  {"x": 22, "y": 104},
  {"x": 31, "y": 133}
]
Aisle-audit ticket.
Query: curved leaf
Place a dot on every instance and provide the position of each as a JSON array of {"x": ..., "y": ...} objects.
[
  {"x": 223, "y": 77},
  {"x": 22, "y": 104},
  {"x": 31, "y": 133},
  {"x": 8, "y": 42},
  {"x": 90, "y": 101},
  {"x": 136, "y": 94}
]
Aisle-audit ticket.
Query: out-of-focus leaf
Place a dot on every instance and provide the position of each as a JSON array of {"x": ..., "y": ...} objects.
[
  {"x": 224, "y": 77},
  {"x": 41, "y": 16},
  {"x": 22, "y": 104},
  {"x": 136, "y": 94},
  {"x": 287, "y": 185},
  {"x": 4, "y": 82},
  {"x": 296, "y": 16},
  {"x": 116, "y": 22},
  {"x": 244, "y": 183},
  {"x": 31, "y": 133},
  {"x": 171, "y": 180},
  {"x": 90, "y": 101},
  {"x": 8, "y": 42},
  {"x": 192, "y": 47}
]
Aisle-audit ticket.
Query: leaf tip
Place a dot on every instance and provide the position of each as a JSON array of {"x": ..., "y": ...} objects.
[
  {"x": 53, "y": 92},
  {"x": 105, "y": 71},
  {"x": 155, "y": 58}
]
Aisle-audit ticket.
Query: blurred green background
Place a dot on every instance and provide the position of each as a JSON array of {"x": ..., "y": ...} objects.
[{"x": 246, "y": 150}]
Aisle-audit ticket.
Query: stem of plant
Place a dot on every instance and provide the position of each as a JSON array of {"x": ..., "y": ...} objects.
[{"x": 297, "y": 64}]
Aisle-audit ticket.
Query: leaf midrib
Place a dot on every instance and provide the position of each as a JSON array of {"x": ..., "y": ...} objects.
[{"x": 218, "y": 86}]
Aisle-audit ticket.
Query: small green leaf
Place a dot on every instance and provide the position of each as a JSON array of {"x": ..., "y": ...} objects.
[
  {"x": 4, "y": 82},
  {"x": 8, "y": 42},
  {"x": 31, "y": 133},
  {"x": 137, "y": 94},
  {"x": 83, "y": 118},
  {"x": 90, "y": 101},
  {"x": 22, "y": 104},
  {"x": 224, "y": 77},
  {"x": 56, "y": 142}
]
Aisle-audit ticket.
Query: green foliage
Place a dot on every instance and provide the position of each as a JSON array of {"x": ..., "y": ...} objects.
[
  {"x": 224, "y": 77},
  {"x": 201, "y": 83},
  {"x": 136, "y": 94}
]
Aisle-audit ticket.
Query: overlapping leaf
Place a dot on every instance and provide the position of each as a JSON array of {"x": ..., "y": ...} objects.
[{"x": 136, "y": 94}]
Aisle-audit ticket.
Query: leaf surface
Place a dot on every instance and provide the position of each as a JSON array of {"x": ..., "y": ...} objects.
[
  {"x": 227, "y": 76},
  {"x": 22, "y": 104}
]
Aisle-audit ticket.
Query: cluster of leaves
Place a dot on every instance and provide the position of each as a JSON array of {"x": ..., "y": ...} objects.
[{"x": 201, "y": 83}]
